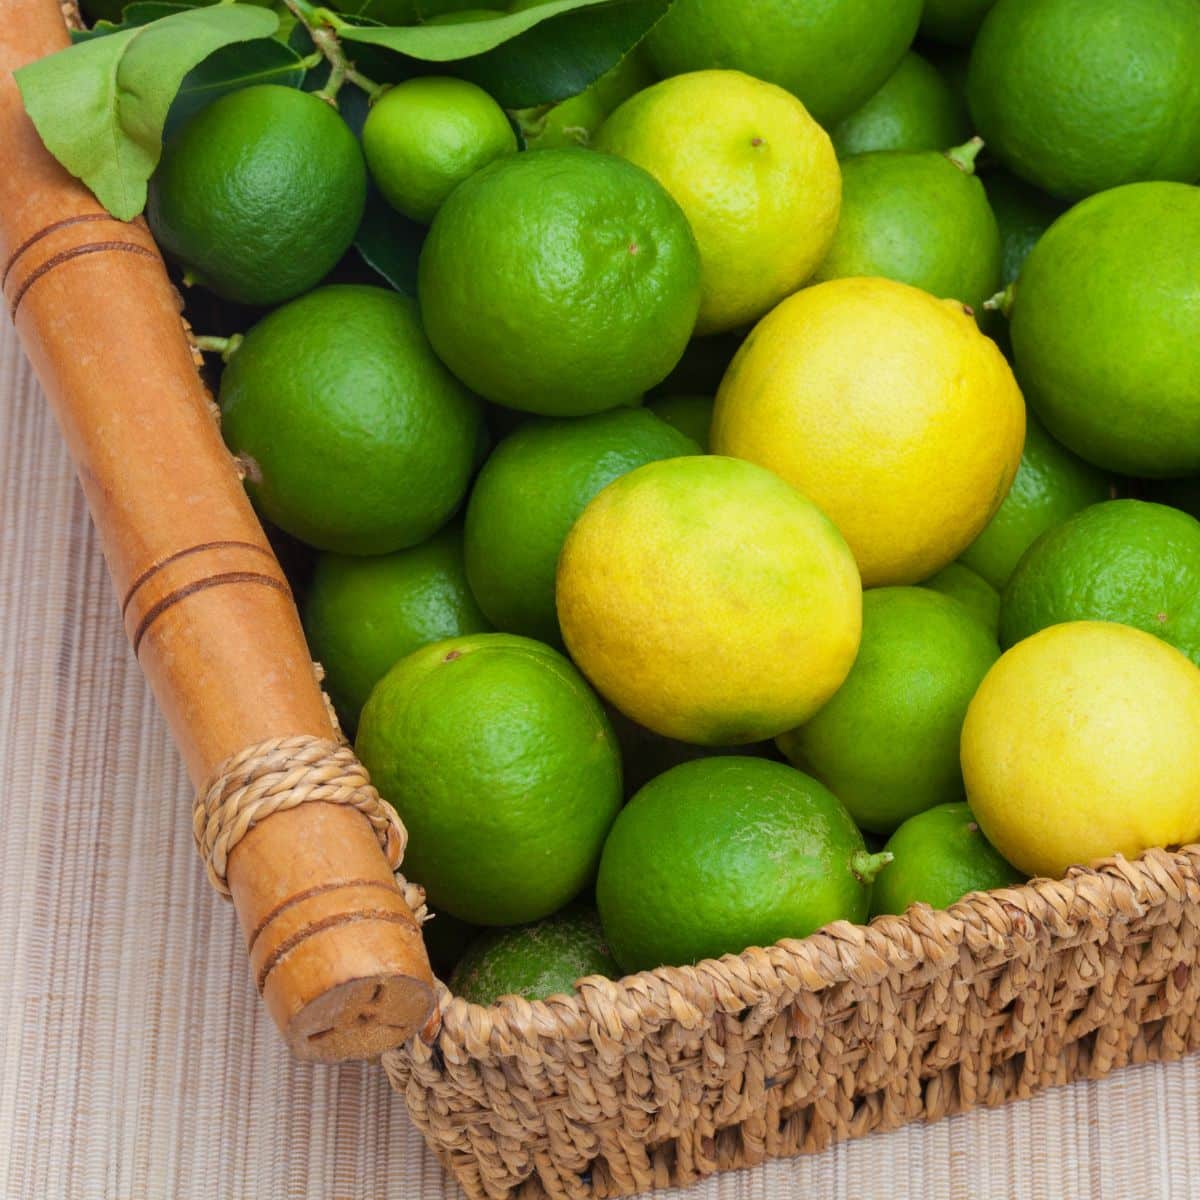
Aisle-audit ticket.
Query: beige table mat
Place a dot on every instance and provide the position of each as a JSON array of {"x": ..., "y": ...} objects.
[{"x": 135, "y": 1061}]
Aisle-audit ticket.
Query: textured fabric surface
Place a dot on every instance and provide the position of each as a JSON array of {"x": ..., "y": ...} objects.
[{"x": 135, "y": 1062}]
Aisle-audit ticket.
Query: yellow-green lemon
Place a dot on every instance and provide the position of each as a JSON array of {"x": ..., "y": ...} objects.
[
  {"x": 1081, "y": 743},
  {"x": 709, "y": 601},
  {"x": 888, "y": 409},
  {"x": 755, "y": 174}
]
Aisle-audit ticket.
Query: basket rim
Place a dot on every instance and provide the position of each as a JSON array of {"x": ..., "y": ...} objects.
[{"x": 922, "y": 940}]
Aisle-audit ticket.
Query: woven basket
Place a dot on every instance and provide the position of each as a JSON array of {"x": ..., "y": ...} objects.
[
  {"x": 667, "y": 1076},
  {"x": 660, "y": 1078}
]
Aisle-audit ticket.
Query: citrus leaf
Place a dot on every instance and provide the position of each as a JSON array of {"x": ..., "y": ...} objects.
[
  {"x": 390, "y": 244},
  {"x": 560, "y": 58},
  {"x": 100, "y": 106},
  {"x": 460, "y": 39},
  {"x": 243, "y": 64},
  {"x": 535, "y": 56}
]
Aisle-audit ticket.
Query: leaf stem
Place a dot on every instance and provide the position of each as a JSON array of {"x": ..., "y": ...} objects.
[{"x": 322, "y": 26}]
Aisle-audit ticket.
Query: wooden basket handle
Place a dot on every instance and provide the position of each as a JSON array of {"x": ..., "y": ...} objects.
[{"x": 336, "y": 951}]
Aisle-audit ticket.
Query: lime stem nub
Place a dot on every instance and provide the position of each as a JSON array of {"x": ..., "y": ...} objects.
[
  {"x": 866, "y": 865},
  {"x": 1002, "y": 302},
  {"x": 226, "y": 347},
  {"x": 964, "y": 156}
]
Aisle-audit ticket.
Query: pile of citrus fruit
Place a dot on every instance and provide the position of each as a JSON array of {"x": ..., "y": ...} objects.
[{"x": 774, "y": 502}]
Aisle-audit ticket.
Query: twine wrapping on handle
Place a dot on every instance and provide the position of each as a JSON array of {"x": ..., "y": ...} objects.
[{"x": 278, "y": 775}]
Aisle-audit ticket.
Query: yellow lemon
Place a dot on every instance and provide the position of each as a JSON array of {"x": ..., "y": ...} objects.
[
  {"x": 756, "y": 176},
  {"x": 1081, "y": 743},
  {"x": 709, "y": 601},
  {"x": 888, "y": 409}
]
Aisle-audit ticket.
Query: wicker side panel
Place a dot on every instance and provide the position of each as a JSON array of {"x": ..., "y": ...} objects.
[{"x": 669, "y": 1075}]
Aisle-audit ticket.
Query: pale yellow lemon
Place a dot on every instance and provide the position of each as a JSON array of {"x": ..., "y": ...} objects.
[
  {"x": 888, "y": 409},
  {"x": 709, "y": 601},
  {"x": 756, "y": 176},
  {"x": 1081, "y": 742}
]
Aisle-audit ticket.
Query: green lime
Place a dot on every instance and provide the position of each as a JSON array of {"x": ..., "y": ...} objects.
[
  {"x": 573, "y": 121},
  {"x": 919, "y": 217},
  {"x": 724, "y": 853},
  {"x": 1105, "y": 329},
  {"x": 832, "y": 54},
  {"x": 561, "y": 282},
  {"x": 1050, "y": 485},
  {"x": 446, "y": 939},
  {"x": 953, "y": 22},
  {"x": 1023, "y": 215},
  {"x": 1128, "y": 561},
  {"x": 537, "y": 481},
  {"x": 972, "y": 591},
  {"x": 424, "y": 136},
  {"x": 361, "y": 615},
  {"x": 354, "y": 438},
  {"x": 916, "y": 109},
  {"x": 534, "y": 961},
  {"x": 691, "y": 415},
  {"x": 503, "y": 766},
  {"x": 259, "y": 194},
  {"x": 1077, "y": 96},
  {"x": 939, "y": 856},
  {"x": 887, "y": 743}
]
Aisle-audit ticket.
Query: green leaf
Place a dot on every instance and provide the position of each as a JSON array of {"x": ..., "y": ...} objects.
[
  {"x": 531, "y": 57},
  {"x": 243, "y": 64},
  {"x": 462, "y": 39},
  {"x": 100, "y": 106},
  {"x": 560, "y": 58},
  {"x": 390, "y": 244}
]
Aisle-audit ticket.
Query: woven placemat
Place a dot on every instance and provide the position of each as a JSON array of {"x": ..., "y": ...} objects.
[{"x": 135, "y": 1061}]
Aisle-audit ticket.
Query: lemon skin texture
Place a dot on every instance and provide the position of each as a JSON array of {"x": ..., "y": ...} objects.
[
  {"x": 887, "y": 743},
  {"x": 724, "y": 853},
  {"x": 1121, "y": 560},
  {"x": 560, "y": 282},
  {"x": 528, "y": 495},
  {"x": 831, "y": 54},
  {"x": 534, "y": 961},
  {"x": 354, "y": 438},
  {"x": 885, "y": 407},
  {"x": 709, "y": 601},
  {"x": 1080, "y": 743},
  {"x": 260, "y": 194},
  {"x": 756, "y": 175},
  {"x": 916, "y": 109},
  {"x": 1105, "y": 329},
  {"x": 1078, "y": 96},
  {"x": 503, "y": 767}
]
